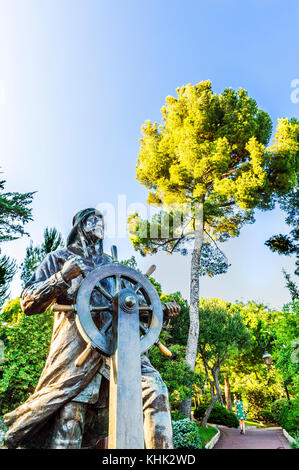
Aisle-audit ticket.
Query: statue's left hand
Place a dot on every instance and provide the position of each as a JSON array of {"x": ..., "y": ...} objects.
[{"x": 170, "y": 309}]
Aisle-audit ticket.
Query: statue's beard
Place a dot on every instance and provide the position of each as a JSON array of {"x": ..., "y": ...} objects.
[
  {"x": 92, "y": 238},
  {"x": 88, "y": 245},
  {"x": 95, "y": 246}
]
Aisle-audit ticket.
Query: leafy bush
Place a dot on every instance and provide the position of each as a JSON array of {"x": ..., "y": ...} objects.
[
  {"x": 276, "y": 408},
  {"x": 289, "y": 417},
  {"x": 266, "y": 416},
  {"x": 186, "y": 435},
  {"x": 176, "y": 415},
  {"x": 176, "y": 374},
  {"x": 178, "y": 327},
  {"x": 219, "y": 415},
  {"x": 259, "y": 398},
  {"x": 295, "y": 445},
  {"x": 26, "y": 343}
]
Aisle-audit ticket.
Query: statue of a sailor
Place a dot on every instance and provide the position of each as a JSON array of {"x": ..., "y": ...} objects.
[{"x": 69, "y": 407}]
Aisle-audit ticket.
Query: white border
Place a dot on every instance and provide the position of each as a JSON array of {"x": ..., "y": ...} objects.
[{"x": 287, "y": 436}]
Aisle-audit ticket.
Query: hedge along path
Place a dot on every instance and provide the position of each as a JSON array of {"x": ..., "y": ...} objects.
[{"x": 255, "y": 438}]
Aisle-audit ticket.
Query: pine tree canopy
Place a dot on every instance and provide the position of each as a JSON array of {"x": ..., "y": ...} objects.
[
  {"x": 14, "y": 213},
  {"x": 213, "y": 149}
]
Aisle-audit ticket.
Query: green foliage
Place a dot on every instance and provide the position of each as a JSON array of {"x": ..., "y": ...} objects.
[
  {"x": 167, "y": 227},
  {"x": 35, "y": 254},
  {"x": 291, "y": 286},
  {"x": 222, "y": 335},
  {"x": 287, "y": 149},
  {"x": 281, "y": 244},
  {"x": 186, "y": 435},
  {"x": 266, "y": 416},
  {"x": 14, "y": 213},
  {"x": 219, "y": 415},
  {"x": 212, "y": 261},
  {"x": 178, "y": 328},
  {"x": 175, "y": 373},
  {"x": 289, "y": 416},
  {"x": 260, "y": 397},
  {"x": 211, "y": 149},
  {"x": 275, "y": 331},
  {"x": 209, "y": 155},
  {"x": 295, "y": 445},
  {"x": 283, "y": 158},
  {"x": 288, "y": 244},
  {"x": 276, "y": 408},
  {"x": 163, "y": 232},
  {"x": 261, "y": 321},
  {"x": 286, "y": 349},
  {"x": 156, "y": 285},
  {"x": 131, "y": 262},
  {"x": 201, "y": 144},
  {"x": 176, "y": 415},
  {"x": 7, "y": 272},
  {"x": 206, "y": 434},
  {"x": 26, "y": 343},
  {"x": 222, "y": 331}
]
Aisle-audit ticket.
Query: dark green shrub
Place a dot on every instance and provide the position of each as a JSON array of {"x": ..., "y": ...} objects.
[
  {"x": 26, "y": 344},
  {"x": 219, "y": 415},
  {"x": 176, "y": 374},
  {"x": 186, "y": 434},
  {"x": 289, "y": 417},
  {"x": 176, "y": 415},
  {"x": 266, "y": 416},
  {"x": 259, "y": 398},
  {"x": 276, "y": 408},
  {"x": 295, "y": 445}
]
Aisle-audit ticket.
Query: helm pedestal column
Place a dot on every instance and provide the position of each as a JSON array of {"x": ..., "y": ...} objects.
[{"x": 125, "y": 400}]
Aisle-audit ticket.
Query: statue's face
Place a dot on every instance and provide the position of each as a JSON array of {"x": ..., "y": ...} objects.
[{"x": 94, "y": 226}]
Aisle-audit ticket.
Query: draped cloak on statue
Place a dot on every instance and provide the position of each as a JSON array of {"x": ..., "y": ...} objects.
[{"x": 61, "y": 381}]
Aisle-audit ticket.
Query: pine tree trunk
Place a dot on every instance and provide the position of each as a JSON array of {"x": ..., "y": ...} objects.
[
  {"x": 192, "y": 343},
  {"x": 208, "y": 411},
  {"x": 228, "y": 397},
  {"x": 215, "y": 396},
  {"x": 217, "y": 386}
]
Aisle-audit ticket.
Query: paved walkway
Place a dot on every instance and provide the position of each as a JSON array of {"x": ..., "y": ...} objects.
[{"x": 255, "y": 438}]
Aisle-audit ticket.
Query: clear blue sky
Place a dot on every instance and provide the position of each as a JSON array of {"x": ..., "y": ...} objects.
[{"x": 77, "y": 81}]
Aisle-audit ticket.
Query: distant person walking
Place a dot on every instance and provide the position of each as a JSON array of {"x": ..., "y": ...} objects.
[{"x": 241, "y": 413}]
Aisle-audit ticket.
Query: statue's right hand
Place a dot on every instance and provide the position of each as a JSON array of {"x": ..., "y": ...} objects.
[{"x": 72, "y": 268}]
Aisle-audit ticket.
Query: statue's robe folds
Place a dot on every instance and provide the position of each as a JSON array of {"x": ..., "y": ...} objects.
[{"x": 60, "y": 380}]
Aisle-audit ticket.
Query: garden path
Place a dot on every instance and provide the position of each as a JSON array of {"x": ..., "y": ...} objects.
[{"x": 255, "y": 438}]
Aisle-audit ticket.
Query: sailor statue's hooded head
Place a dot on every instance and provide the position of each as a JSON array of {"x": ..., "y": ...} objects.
[{"x": 86, "y": 236}]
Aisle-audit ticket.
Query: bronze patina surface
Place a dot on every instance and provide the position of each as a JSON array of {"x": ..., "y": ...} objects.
[{"x": 68, "y": 408}]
